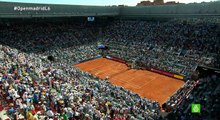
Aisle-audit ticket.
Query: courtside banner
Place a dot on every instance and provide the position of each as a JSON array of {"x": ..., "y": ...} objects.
[
  {"x": 162, "y": 72},
  {"x": 168, "y": 74},
  {"x": 179, "y": 77},
  {"x": 118, "y": 60}
]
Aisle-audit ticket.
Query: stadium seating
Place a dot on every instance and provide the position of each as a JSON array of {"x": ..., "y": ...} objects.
[
  {"x": 33, "y": 83},
  {"x": 177, "y": 46}
]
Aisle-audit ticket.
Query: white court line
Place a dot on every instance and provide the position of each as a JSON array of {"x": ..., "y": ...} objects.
[
  {"x": 138, "y": 86},
  {"x": 105, "y": 71}
]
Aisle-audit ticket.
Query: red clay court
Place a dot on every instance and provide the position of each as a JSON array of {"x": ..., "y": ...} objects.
[{"x": 145, "y": 83}]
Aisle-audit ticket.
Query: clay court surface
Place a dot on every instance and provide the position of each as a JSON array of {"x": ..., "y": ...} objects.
[{"x": 145, "y": 83}]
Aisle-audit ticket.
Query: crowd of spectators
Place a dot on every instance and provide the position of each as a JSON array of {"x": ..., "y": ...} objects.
[
  {"x": 175, "y": 100},
  {"x": 52, "y": 39},
  {"x": 205, "y": 92},
  {"x": 43, "y": 37},
  {"x": 177, "y": 46},
  {"x": 36, "y": 88}
]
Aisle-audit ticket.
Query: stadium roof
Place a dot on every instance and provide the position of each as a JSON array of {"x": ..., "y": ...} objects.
[{"x": 11, "y": 9}]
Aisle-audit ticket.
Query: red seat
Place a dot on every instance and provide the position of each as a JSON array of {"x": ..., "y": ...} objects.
[
  {"x": 1, "y": 108},
  {"x": 55, "y": 118}
]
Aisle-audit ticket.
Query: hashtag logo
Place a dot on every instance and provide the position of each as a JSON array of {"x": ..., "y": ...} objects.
[{"x": 195, "y": 108}]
